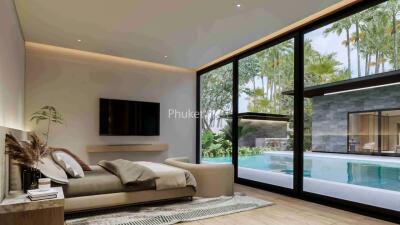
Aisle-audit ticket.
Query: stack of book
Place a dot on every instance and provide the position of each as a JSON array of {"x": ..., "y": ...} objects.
[{"x": 38, "y": 194}]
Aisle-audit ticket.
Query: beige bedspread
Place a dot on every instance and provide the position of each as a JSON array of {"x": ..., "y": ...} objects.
[
  {"x": 165, "y": 177},
  {"x": 128, "y": 172},
  {"x": 169, "y": 177}
]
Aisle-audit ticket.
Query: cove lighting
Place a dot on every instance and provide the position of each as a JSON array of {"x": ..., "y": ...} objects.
[{"x": 359, "y": 89}]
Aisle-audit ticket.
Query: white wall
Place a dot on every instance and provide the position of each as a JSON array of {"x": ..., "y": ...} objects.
[
  {"x": 73, "y": 81},
  {"x": 12, "y": 67}
]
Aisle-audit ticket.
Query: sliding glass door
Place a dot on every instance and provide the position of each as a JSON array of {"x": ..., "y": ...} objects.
[
  {"x": 350, "y": 130},
  {"x": 363, "y": 133},
  {"x": 390, "y": 131},
  {"x": 265, "y": 118},
  {"x": 314, "y": 113}
]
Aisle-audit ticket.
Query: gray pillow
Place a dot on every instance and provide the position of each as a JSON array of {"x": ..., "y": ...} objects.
[
  {"x": 68, "y": 163},
  {"x": 53, "y": 171}
]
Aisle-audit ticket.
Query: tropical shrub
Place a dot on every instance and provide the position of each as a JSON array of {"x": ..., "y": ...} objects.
[
  {"x": 249, "y": 151},
  {"x": 215, "y": 145}
]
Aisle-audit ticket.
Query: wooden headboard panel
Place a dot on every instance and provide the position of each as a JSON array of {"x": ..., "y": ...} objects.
[{"x": 4, "y": 162}]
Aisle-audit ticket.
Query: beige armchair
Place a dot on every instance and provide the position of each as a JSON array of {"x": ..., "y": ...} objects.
[
  {"x": 369, "y": 147},
  {"x": 397, "y": 149},
  {"x": 213, "y": 180}
]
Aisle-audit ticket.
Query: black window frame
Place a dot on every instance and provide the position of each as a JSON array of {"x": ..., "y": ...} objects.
[
  {"x": 297, "y": 191},
  {"x": 379, "y": 118}
]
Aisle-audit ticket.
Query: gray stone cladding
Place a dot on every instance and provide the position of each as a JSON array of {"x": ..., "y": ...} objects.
[{"x": 329, "y": 119}]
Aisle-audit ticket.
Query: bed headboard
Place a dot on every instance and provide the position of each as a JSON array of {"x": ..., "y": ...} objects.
[{"x": 4, "y": 161}]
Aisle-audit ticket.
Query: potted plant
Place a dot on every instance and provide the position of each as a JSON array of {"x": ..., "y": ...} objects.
[
  {"x": 29, "y": 154},
  {"x": 48, "y": 114}
]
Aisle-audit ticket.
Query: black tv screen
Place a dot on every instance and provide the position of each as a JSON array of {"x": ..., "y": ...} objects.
[{"x": 121, "y": 117}]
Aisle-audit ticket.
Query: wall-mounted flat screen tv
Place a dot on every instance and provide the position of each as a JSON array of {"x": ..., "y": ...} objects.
[{"x": 129, "y": 118}]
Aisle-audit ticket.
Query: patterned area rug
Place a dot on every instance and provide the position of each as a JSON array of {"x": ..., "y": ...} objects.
[{"x": 199, "y": 208}]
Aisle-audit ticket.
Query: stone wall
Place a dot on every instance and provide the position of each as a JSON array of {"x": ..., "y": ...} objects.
[
  {"x": 262, "y": 129},
  {"x": 329, "y": 119}
]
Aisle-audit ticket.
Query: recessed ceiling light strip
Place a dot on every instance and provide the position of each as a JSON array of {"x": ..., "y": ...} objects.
[{"x": 359, "y": 89}]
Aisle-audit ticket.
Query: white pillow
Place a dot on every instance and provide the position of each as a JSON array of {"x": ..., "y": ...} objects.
[
  {"x": 53, "y": 171},
  {"x": 69, "y": 164}
]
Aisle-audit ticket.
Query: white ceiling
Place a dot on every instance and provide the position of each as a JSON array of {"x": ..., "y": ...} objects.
[{"x": 190, "y": 32}]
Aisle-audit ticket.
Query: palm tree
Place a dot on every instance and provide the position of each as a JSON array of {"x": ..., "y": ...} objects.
[
  {"x": 356, "y": 19},
  {"x": 393, "y": 7},
  {"x": 338, "y": 28},
  {"x": 249, "y": 68},
  {"x": 261, "y": 57},
  {"x": 366, "y": 37},
  {"x": 366, "y": 49},
  {"x": 381, "y": 38},
  {"x": 276, "y": 62}
]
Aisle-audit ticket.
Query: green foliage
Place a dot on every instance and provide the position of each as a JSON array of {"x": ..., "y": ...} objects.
[
  {"x": 215, "y": 145},
  {"x": 207, "y": 138},
  {"x": 48, "y": 114},
  {"x": 216, "y": 96},
  {"x": 249, "y": 151},
  {"x": 265, "y": 75}
]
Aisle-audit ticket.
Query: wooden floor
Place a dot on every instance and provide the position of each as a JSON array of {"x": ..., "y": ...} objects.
[{"x": 288, "y": 211}]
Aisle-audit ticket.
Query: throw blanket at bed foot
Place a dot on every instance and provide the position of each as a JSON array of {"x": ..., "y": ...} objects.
[
  {"x": 199, "y": 208},
  {"x": 164, "y": 176}
]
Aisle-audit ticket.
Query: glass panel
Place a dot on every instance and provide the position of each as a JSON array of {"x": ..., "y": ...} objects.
[
  {"x": 265, "y": 126},
  {"x": 390, "y": 135},
  {"x": 363, "y": 133},
  {"x": 344, "y": 157},
  {"x": 215, "y": 119},
  {"x": 348, "y": 135},
  {"x": 364, "y": 44}
]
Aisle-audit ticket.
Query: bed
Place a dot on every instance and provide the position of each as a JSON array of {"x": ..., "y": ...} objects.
[
  {"x": 100, "y": 188},
  {"x": 122, "y": 182}
]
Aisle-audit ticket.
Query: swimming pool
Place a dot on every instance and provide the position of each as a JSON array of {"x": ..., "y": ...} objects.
[{"x": 356, "y": 170}]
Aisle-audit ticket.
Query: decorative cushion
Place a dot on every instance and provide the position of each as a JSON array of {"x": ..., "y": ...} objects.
[
  {"x": 53, "y": 171},
  {"x": 84, "y": 166},
  {"x": 68, "y": 163}
]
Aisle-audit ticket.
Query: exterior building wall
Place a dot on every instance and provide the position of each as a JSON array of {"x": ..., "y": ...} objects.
[
  {"x": 329, "y": 119},
  {"x": 262, "y": 129}
]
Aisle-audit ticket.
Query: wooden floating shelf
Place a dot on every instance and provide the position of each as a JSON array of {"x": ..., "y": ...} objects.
[{"x": 128, "y": 148}]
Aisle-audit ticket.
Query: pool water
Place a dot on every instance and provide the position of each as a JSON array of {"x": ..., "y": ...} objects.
[{"x": 375, "y": 174}]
